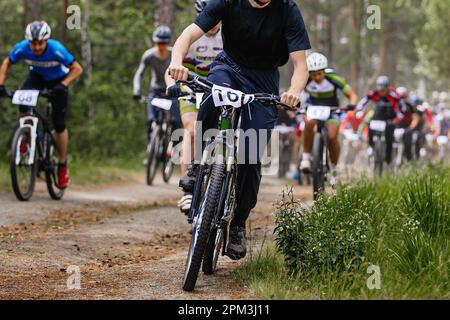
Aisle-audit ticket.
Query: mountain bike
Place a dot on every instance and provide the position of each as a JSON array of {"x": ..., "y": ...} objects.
[
  {"x": 442, "y": 142},
  {"x": 321, "y": 162},
  {"x": 160, "y": 146},
  {"x": 398, "y": 149},
  {"x": 350, "y": 147},
  {"x": 378, "y": 129},
  {"x": 214, "y": 197},
  {"x": 33, "y": 147}
]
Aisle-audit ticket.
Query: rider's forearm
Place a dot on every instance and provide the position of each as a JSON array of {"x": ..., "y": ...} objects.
[
  {"x": 76, "y": 70},
  {"x": 353, "y": 97},
  {"x": 184, "y": 42},
  {"x": 300, "y": 76},
  {"x": 361, "y": 105},
  {"x": 4, "y": 69},
  {"x": 168, "y": 79},
  {"x": 415, "y": 121}
]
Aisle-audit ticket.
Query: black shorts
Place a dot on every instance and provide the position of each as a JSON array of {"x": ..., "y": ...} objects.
[{"x": 59, "y": 102}]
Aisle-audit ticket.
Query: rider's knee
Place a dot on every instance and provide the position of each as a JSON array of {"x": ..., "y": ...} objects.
[
  {"x": 60, "y": 126},
  {"x": 310, "y": 124},
  {"x": 191, "y": 130}
]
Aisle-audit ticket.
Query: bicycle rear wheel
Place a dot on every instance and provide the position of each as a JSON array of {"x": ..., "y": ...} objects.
[
  {"x": 51, "y": 169},
  {"x": 23, "y": 174},
  {"x": 318, "y": 170},
  {"x": 202, "y": 226}
]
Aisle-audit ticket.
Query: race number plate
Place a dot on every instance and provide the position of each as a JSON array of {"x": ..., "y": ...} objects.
[
  {"x": 199, "y": 99},
  {"x": 399, "y": 133},
  {"x": 318, "y": 113},
  {"x": 442, "y": 140},
  {"x": 350, "y": 135},
  {"x": 379, "y": 126},
  {"x": 224, "y": 96},
  {"x": 164, "y": 104},
  {"x": 26, "y": 97}
]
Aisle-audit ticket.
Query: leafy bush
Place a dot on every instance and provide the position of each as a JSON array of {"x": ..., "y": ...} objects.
[
  {"x": 309, "y": 238},
  {"x": 399, "y": 223}
]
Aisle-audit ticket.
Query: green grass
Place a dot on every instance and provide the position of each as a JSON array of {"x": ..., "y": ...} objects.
[
  {"x": 399, "y": 223},
  {"x": 95, "y": 172},
  {"x": 4, "y": 176},
  {"x": 91, "y": 172}
]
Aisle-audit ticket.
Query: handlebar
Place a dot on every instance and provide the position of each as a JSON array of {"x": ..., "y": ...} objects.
[
  {"x": 333, "y": 109},
  {"x": 200, "y": 85},
  {"x": 46, "y": 93}
]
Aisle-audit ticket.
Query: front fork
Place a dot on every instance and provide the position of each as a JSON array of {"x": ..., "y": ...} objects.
[{"x": 25, "y": 123}]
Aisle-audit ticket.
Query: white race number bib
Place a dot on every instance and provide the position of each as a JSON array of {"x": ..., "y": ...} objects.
[{"x": 377, "y": 125}]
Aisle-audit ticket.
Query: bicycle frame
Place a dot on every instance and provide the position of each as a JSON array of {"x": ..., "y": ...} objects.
[
  {"x": 24, "y": 122},
  {"x": 36, "y": 118},
  {"x": 228, "y": 120}
]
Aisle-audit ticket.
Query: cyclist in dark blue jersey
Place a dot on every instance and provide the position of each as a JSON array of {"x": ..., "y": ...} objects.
[
  {"x": 258, "y": 37},
  {"x": 51, "y": 67}
]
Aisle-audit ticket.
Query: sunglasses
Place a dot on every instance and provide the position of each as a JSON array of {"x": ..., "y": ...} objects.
[{"x": 38, "y": 42}]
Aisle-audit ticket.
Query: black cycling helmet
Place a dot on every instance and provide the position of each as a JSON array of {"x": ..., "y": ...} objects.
[
  {"x": 383, "y": 82},
  {"x": 37, "y": 31},
  {"x": 162, "y": 34},
  {"x": 200, "y": 5}
]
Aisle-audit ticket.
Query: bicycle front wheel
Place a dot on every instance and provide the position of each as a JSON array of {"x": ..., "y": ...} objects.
[
  {"x": 202, "y": 226},
  {"x": 318, "y": 170},
  {"x": 379, "y": 157},
  {"x": 23, "y": 167}
]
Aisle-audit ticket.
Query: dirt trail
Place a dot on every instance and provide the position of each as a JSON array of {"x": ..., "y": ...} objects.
[{"x": 128, "y": 240}]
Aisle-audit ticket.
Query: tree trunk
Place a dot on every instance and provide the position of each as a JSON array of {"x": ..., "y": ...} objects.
[
  {"x": 32, "y": 11},
  {"x": 384, "y": 50},
  {"x": 355, "y": 50},
  {"x": 86, "y": 51},
  {"x": 329, "y": 31},
  {"x": 165, "y": 13},
  {"x": 65, "y": 4}
]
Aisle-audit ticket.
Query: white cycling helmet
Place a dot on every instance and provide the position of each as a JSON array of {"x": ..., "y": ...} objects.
[
  {"x": 317, "y": 62},
  {"x": 37, "y": 31},
  {"x": 383, "y": 82},
  {"x": 402, "y": 92}
]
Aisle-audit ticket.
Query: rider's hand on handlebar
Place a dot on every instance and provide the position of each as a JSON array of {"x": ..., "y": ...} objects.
[
  {"x": 173, "y": 91},
  {"x": 3, "y": 92},
  {"x": 351, "y": 107},
  {"x": 137, "y": 97},
  {"x": 178, "y": 72},
  {"x": 291, "y": 99}
]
